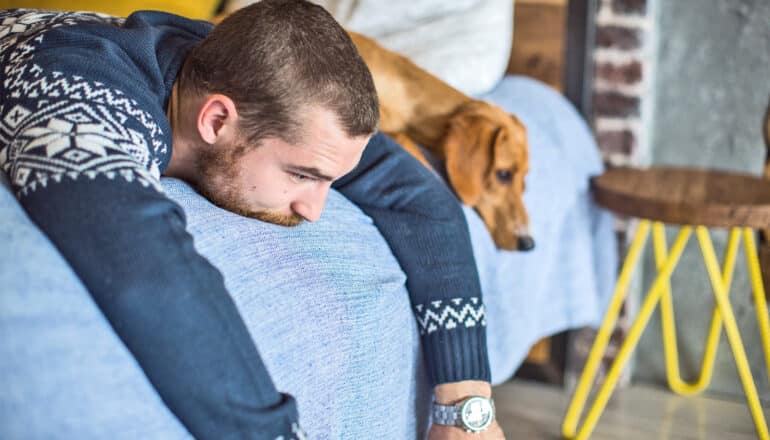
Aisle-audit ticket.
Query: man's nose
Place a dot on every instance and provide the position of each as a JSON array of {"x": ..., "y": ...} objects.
[{"x": 311, "y": 205}]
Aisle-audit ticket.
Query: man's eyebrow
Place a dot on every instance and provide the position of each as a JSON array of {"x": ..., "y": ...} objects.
[{"x": 311, "y": 171}]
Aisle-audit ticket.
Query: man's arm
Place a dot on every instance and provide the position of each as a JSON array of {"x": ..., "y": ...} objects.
[
  {"x": 167, "y": 303},
  {"x": 80, "y": 167},
  {"x": 423, "y": 223}
]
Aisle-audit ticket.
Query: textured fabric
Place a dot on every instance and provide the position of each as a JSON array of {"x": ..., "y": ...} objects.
[
  {"x": 84, "y": 144},
  {"x": 464, "y": 42},
  {"x": 359, "y": 338},
  {"x": 424, "y": 226},
  {"x": 331, "y": 316},
  {"x": 566, "y": 281},
  {"x": 64, "y": 373},
  {"x": 82, "y": 135}
]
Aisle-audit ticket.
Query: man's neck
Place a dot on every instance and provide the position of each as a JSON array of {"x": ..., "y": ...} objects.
[{"x": 182, "y": 163}]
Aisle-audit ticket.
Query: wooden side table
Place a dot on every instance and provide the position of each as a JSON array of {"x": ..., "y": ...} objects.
[{"x": 693, "y": 199}]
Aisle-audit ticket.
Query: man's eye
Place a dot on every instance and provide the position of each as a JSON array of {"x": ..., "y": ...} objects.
[{"x": 299, "y": 177}]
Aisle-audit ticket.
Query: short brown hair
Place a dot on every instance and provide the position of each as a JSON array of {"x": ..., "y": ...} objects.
[{"x": 275, "y": 57}]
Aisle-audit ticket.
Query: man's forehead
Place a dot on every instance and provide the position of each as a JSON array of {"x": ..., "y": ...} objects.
[{"x": 321, "y": 160}]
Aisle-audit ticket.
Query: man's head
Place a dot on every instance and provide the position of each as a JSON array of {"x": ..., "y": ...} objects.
[{"x": 272, "y": 107}]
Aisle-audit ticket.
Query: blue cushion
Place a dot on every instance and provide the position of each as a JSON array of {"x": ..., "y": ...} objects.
[
  {"x": 327, "y": 306},
  {"x": 325, "y": 303}
]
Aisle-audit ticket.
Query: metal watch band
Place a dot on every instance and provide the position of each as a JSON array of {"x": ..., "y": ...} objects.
[{"x": 444, "y": 414}]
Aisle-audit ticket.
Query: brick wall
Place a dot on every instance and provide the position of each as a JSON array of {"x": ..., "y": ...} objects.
[
  {"x": 622, "y": 93},
  {"x": 621, "y": 78}
]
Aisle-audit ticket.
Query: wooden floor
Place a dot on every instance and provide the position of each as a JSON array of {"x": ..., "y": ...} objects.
[{"x": 533, "y": 411}]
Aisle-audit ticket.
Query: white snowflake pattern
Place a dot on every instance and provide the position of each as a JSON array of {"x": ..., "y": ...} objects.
[
  {"x": 54, "y": 125},
  {"x": 59, "y": 135}
]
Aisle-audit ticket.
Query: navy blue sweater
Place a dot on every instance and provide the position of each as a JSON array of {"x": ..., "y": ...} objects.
[{"x": 84, "y": 139}]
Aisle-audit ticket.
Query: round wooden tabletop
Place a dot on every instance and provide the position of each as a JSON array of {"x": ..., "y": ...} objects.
[{"x": 686, "y": 196}]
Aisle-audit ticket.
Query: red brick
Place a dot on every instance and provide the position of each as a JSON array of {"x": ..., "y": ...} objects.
[
  {"x": 616, "y": 142},
  {"x": 635, "y": 7},
  {"x": 615, "y": 104},
  {"x": 618, "y": 37},
  {"x": 629, "y": 73}
]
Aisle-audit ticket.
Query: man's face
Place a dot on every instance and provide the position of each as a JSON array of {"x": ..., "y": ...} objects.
[{"x": 279, "y": 182}]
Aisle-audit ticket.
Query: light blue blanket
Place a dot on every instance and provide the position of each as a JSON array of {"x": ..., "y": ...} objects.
[
  {"x": 567, "y": 279},
  {"x": 338, "y": 331}
]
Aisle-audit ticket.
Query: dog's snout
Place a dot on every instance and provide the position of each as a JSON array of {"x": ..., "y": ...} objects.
[{"x": 525, "y": 243}]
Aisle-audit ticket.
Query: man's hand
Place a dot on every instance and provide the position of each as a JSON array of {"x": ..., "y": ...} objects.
[{"x": 453, "y": 392}]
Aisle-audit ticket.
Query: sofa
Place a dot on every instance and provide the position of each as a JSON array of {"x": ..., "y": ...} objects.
[{"x": 337, "y": 332}]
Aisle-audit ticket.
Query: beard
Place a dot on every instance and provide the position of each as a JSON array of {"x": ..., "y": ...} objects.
[
  {"x": 216, "y": 169},
  {"x": 264, "y": 215}
]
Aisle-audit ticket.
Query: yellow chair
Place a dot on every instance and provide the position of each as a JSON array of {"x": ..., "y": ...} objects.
[
  {"x": 201, "y": 9},
  {"x": 694, "y": 199}
]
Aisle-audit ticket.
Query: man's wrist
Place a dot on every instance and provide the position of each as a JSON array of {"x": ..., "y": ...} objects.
[{"x": 453, "y": 392}]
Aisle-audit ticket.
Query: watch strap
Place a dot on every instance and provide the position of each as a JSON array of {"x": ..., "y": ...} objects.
[{"x": 445, "y": 414}]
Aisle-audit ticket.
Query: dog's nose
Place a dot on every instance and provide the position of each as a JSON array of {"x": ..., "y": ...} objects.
[{"x": 525, "y": 243}]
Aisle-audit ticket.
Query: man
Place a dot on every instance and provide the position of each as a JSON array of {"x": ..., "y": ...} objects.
[{"x": 263, "y": 114}]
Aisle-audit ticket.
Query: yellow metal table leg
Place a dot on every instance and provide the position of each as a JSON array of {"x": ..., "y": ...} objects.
[
  {"x": 634, "y": 333},
  {"x": 668, "y": 323},
  {"x": 569, "y": 427},
  {"x": 758, "y": 288},
  {"x": 586, "y": 380},
  {"x": 733, "y": 335},
  {"x": 661, "y": 292}
]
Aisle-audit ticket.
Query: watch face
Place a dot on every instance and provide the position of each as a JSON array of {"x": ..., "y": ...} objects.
[{"x": 477, "y": 414}]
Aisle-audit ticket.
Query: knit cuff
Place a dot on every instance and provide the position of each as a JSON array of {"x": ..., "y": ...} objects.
[{"x": 454, "y": 339}]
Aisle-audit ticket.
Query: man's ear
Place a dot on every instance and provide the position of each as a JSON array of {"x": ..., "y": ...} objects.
[
  {"x": 217, "y": 119},
  {"x": 467, "y": 160}
]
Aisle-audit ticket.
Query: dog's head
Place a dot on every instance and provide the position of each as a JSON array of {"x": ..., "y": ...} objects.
[{"x": 487, "y": 158}]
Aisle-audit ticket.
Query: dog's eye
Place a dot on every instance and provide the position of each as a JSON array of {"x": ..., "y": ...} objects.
[{"x": 504, "y": 176}]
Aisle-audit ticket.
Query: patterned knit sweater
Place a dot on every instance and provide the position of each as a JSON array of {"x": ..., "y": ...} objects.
[{"x": 84, "y": 139}]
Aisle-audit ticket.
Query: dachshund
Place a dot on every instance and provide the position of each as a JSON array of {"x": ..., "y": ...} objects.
[{"x": 485, "y": 149}]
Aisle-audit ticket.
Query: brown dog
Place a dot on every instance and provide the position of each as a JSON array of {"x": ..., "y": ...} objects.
[{"x": 485, "y": 149}]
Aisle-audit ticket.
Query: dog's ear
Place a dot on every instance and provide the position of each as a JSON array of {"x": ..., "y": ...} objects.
[
  {"x": 468, "y": 157},
  {"x": 521, "y": 131}
]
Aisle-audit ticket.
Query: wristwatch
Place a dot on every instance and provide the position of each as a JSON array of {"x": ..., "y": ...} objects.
[{"x": 473, "y": 414}]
